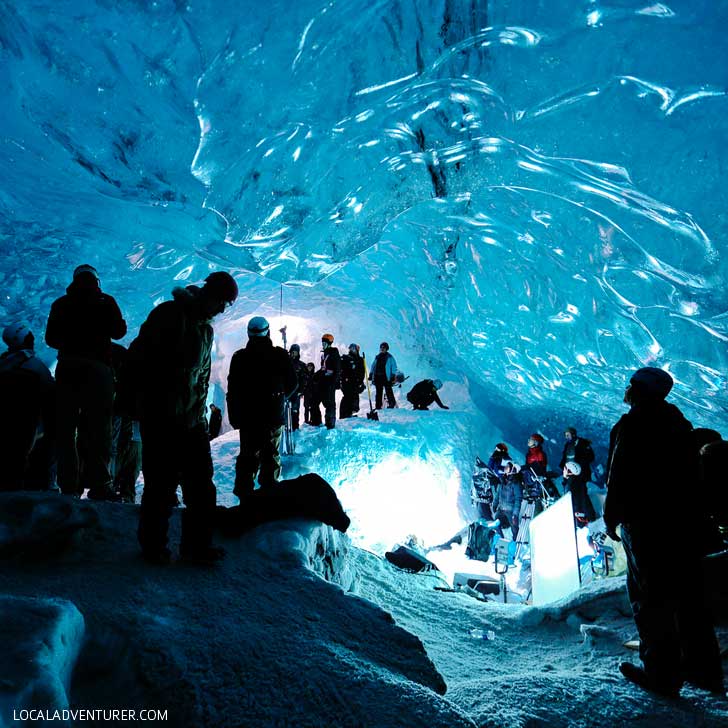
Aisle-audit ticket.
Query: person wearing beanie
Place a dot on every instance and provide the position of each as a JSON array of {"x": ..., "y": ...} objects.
[
  {"x": 27, "y": 393},
  {"x": 261, "y": 378},
  {"x": 352, "y": 381},
  {"x": 168, "y": 374},
  {"x": 653, "y": 460},
  {"x": 500, "y": 454},
  {"x": 302, "y": 376},
  {"x": 382, "y": 375},
  {"x": 81, "y": 325},
  {"x": 328, "y": 379},
  {"x": 424, "y": 393}
]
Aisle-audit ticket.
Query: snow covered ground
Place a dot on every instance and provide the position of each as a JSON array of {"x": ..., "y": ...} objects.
[{"x": 264, "y": 641}]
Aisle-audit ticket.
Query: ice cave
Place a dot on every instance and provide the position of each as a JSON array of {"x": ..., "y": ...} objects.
[{"x": 522, "y": 197}]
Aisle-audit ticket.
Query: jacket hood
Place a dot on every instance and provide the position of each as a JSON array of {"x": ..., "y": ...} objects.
[
  {"x": 78, "y": 288},
  {"x": 191, "y": 298}
]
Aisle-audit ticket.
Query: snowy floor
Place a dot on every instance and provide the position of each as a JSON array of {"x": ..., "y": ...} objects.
[{"x": 263, "y": 641}]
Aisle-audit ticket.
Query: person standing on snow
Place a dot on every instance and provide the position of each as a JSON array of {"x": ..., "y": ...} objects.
[
  {"x": 261, "y": 378},
  {"x": 328, "y": 379},
  {"x": 352, "y": 381},
  {"x": 384, "y": 370},
  {"x": 677, "y": 639},
  {"x": 301, "y": 381},
  {"x": 169, "y": 375},
  {"x": 424, "y": 393},
  {"x": 27, "y": 392},
  {"x": 81, "y": 325}
]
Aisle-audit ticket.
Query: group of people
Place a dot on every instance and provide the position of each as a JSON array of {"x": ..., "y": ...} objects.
[
  {"x": 656, "y": 459},
  {"x": 111, "y": 412},
  {"x": 501, "y": 485}
]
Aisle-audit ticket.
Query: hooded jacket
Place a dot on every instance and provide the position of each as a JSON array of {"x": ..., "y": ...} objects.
[
  {"x": 83, "y": 322},
  {"x": 169, "y": 362},
  {"x": 652, "y": 458},
  {"x": 261, "y": 378},
  {"x": 582, "y": 454}
]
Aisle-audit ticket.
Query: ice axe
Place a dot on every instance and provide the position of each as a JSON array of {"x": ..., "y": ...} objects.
[{"x": 372, "y": 414}]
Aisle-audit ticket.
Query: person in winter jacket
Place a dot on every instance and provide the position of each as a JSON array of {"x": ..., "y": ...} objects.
[
  {"x": 302, "y": 376},
  {"x": 27, "y": 392},
  {"x": 328, "y": 379},
  {"x": 507, "y": 501},
  {"x": 352, "y": 381},
  {"x": 579, "y": 450},
  {"x": 81, "y": 326},
  {"x": 677, "y": 639},
  {"x": 424, "y": 393},
  {"x": 499, "y": 456},
  {"x": 261, "y": 378},
  {"x": 169, "y": 375},
  {"x": 384, "y": 370},
  {"x": 310, "y": 396},
  {"x": 215, "y": 424},
  {"x": 536, "y": 458}
]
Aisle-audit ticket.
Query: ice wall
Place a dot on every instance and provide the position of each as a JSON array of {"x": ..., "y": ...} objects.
[{"x": 524, "y": 194}]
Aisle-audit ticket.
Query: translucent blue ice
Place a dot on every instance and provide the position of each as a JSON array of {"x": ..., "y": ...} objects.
[{"x": 527, "y": 196}]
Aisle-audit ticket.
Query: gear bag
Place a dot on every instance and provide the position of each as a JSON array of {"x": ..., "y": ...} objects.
[{"x": 480, "y": 541}]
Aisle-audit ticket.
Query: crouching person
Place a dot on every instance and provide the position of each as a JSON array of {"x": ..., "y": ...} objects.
[
  {"x": 261, "y": 378},
  {"x": 169, "y": 363}
]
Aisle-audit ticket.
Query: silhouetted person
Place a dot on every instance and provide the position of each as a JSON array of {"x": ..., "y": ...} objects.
[
  {"x": 500, "y": 454},
  {"x": 424, "y": 393},
  {"x": 328, "y": 379},
  {"x": 261, "y": 378},
  {"x": 352, "y": 381},
  {"x": 384, "y": 370},
  {"x": 81, "y": 326},
  {"x": 310, "y": 397},
  {"x": 215, "y": 424},
  {"x": 27, "y": 393},
  {"x": 652, "y": 456},
  {"x": 170, "y": 367},
  {"x": 578, "y": 450},
  {"x": 302, "y": 376},
  {"x": 126, "y": 447}
]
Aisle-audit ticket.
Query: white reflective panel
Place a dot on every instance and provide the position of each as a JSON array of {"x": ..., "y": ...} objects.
[{"x": 554, "y": 560}]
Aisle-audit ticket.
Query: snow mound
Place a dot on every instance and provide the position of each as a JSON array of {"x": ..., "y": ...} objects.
[{"x": 41, "y": 640}]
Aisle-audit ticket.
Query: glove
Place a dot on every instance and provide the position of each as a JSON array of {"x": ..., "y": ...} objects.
[{"x": 362, "y": 387}]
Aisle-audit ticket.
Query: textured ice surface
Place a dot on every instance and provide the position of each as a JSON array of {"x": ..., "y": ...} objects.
[{"x": 528, "y": 194}]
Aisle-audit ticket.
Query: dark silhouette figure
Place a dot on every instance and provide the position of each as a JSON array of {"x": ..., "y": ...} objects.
[
  {"x": 383, "y": 373},
  {"x": 577, "y": 451},
  {"x": 302, "y": 377},
  {"x": 27, "y": 393},
  {"x": 328, "y": 379},
  {"x": 352, "y": 381},
  {"x": 215, "y": 424},
  {"x": 261, "y": 378},
  {"x": 81, "y": 326},
  {"x": 424, "y": 393},
  {"x": 652, "y": 456},
  {"x": 169, "y": 374},
  {"x": 310, "y": 397}
]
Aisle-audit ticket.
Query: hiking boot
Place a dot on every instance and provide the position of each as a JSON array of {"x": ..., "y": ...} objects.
[
  {"x": 205, "y": 556},
  {"x": 157, "y": 557},
  {"x": 639, "y": 677}
]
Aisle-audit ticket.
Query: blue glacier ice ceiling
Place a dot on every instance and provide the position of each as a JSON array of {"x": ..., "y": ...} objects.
[{"x": 527, "y": 193}]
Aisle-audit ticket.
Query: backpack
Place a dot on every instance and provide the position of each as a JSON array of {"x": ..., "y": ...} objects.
[{"x": 480, "y": 541}]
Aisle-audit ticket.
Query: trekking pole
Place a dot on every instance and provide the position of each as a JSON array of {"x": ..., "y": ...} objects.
[{"x": 371, "y": 415}]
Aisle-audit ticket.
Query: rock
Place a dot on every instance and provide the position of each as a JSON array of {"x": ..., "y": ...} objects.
[
  {"x": 41, "y": 523},
  {"x": 41, "y": 640}
]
